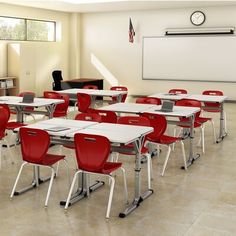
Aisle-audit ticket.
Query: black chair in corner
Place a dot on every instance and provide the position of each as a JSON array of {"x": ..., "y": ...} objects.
[{"x": 56, "y": 85}]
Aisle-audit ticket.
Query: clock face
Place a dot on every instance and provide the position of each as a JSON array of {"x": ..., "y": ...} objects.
[{"x": 197, "y": 18}]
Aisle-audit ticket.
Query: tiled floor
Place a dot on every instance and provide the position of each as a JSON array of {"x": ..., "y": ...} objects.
[{"x": 199, "y": 201}]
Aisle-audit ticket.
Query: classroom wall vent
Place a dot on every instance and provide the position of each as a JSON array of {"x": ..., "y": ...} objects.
[{"x": 200, "y": 31}]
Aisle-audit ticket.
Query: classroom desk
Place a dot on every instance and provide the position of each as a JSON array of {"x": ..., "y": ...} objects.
[
  {"x": 16, "y": 103},
  {"x": 201, "y": 98},
  {"x": 58, "y": 137},
  {"x": 118, "y": 134},
  {"x": 94, "y": 93},
  {"x": 178, "y": 111}
]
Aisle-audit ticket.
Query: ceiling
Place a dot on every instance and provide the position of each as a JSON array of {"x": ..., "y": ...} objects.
[{"x": 112, "y": 5}]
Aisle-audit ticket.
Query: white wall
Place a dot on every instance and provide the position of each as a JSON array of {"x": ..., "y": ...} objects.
[
  {"x": 38, "y": 59},
  {"x": 106, "y": 36}
]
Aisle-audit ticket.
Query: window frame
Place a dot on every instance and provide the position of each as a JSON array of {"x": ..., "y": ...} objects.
[{"x": 26, "y": 29}]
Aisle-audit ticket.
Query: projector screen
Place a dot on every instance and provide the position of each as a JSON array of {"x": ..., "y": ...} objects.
[{"x": 190, "y": 58}]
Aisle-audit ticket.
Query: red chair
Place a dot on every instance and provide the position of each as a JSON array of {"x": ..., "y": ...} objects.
[
  {"x": 214, "y": 106},
  {"x": 83, "y": 102},
  {"x": 119, "y": 88},
  {"x": 139, "y": 121},
  {"x": 92, "y": 152},
  {"x": 4, "y": 117},
  {"x": 11, "y": 126},
  {"x": 198, "y": 121},
  {"x": 107, "y": 116},
  {"x": 149, "y": 100},
  {"x": 90, "y": 86},
  {"x": 61, "y": 109},
  {"x": 178, "y": 91},
  {"x": 159, "y": 124},
  {"x": 34, "y": 148}
]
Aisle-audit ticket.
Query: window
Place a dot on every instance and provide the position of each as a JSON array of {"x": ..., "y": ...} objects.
[{"x": 27, "y": 29}]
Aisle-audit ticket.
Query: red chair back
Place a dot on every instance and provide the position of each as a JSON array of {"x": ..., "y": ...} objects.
[
  {"x": 159, "y": 124},
  {"x": 89, "y": 117},
  {"x": 62, "y": 108},
  {"x": 83, "y": 102},
  {"x": 107, "y": 116},
  {"x": 178, "y": 91},
  {"x": 149, "y": 100},
  {"x": 214, "y": 105},
  {"x": 119, "y": 88},
  {"x": 34, "y": 144},
  {"x": 92, "y": 151},
  {"x": 90, "y": 86},
  {"x": 4, "y": 117},
  {"x": 189, "y": 103}
]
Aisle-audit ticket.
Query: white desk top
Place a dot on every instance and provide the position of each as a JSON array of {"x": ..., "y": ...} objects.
[
  {"x": 116, "y": 133},
  {"x": 199, "y": 97},
  {"x": 38, "y": 102},
  {"x": 208, "y": 98},
  {"x": 178, "y": 111},
  {"x": 93, "y": 92},
  {"x": 135, "y": 108},
  {"x": 73, "y": 125},
  {"x": 128, "y": 107},
  {"x": 68, "y": 123},
  {"x": 167, "y": 96}
]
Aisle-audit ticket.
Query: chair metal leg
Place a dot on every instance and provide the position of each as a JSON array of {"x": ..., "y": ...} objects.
[
  {"x": 213, "y": 129},
  {"x": 110, "y": 196},
  {"x": 71, "y": 189},
  {"x": 50, "y": 186},
  {"x": 17, "y": 179},
  {"x": 166, "y": 160},
  {"x": 225, "y": 124},
  {"x": 203, "y": 139},
  {"x": 148, "y": 156},
  {"x": 184, "y": 156},
  {"x": 125, "y": 185}
]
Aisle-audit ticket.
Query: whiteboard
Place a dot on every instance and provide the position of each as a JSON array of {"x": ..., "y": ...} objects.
[{"x": 190, "y": 58}]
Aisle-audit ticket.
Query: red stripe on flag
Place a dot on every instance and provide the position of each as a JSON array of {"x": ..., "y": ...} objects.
[{"x": 131, "y": 31}]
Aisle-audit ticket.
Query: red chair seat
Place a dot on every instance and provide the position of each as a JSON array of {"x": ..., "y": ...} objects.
[
  {"x": 13, "y": 125},
  {"x": 110, "y": 167},
  {"x": 168, "y": 139},
  {"x": 51, "y": 159},
  {"x": 202, "y": 119},
  {"x": 211, "y": 110}
]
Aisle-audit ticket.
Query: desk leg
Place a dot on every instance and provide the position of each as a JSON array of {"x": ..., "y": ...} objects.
[
  {"x": 192, "y": 158},
  {"x": 19, "y": 114},
  {"x": 138, "y": 198},
  {"x": 50, "y": 109},
  {"x": 119, "y": 98},
  {"x": 81, "y": 191},
  {"x": 222, "y": 133}
]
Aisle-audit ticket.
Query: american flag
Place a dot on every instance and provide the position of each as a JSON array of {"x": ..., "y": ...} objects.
[{"x": 131, "y": 31}]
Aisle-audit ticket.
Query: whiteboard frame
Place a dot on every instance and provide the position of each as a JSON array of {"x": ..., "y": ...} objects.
[{"x": 184, "y": 36}]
